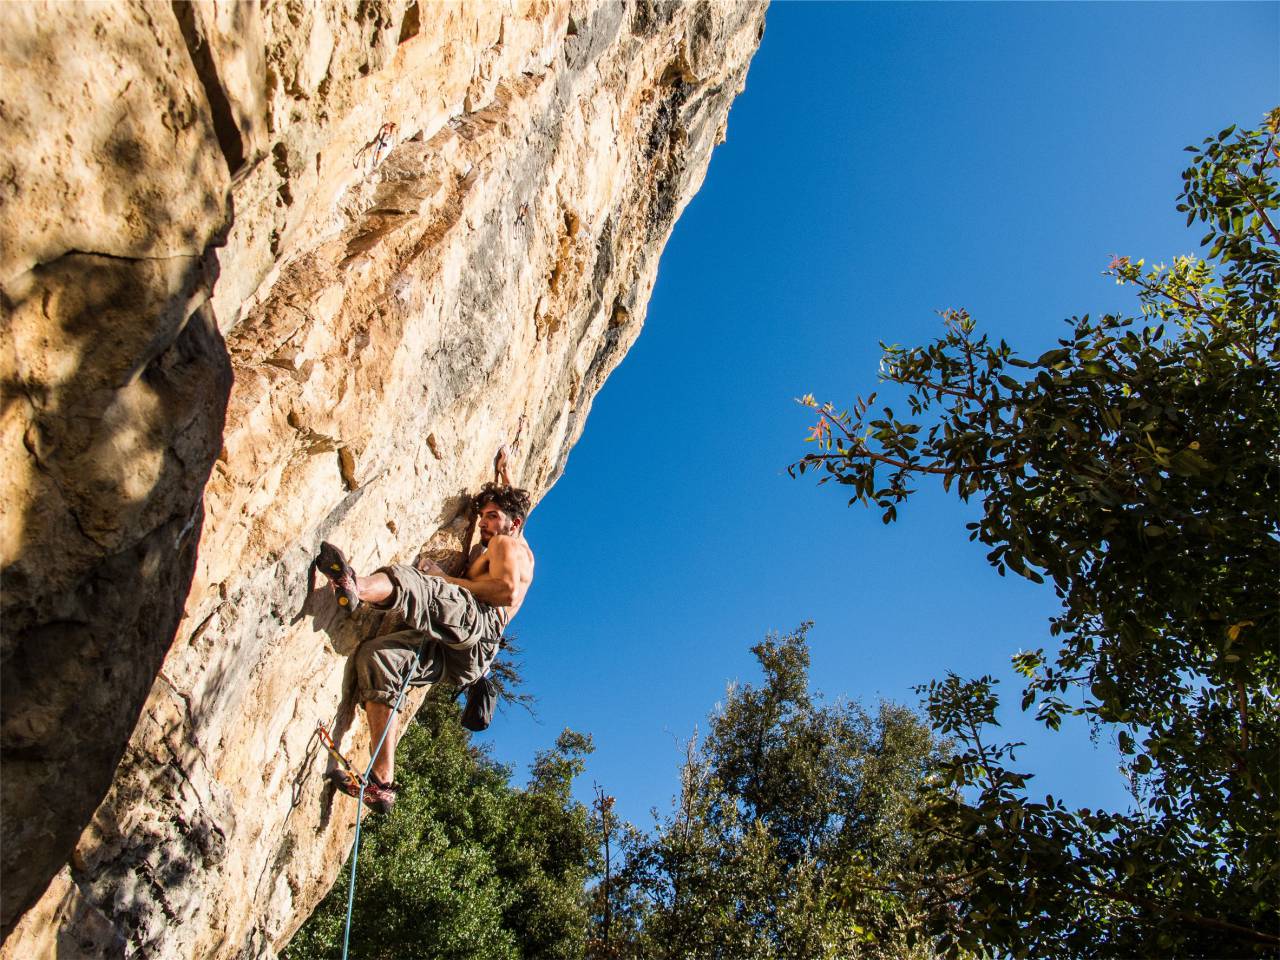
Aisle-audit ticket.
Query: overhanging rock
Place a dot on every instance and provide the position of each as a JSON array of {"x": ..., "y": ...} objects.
[{"x": 273, "y": 274}]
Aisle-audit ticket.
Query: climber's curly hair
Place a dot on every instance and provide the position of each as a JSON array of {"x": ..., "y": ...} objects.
[{"x": 512, "y": 501}]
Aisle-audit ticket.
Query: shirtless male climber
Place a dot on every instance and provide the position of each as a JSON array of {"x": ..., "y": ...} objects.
[{"x": 457, "y": 622}]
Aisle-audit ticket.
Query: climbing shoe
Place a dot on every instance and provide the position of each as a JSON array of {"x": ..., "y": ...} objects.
[
  {"x": 345, "y": 780},
  {"x": 330, "y": 562},
  {"x": 378, "y": 796}
]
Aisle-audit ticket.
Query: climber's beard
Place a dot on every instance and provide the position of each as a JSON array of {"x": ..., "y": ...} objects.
[{"x": 487, "y": 532}]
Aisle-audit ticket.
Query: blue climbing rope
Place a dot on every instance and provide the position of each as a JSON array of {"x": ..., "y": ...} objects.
[{"x": 355, "y": 849}]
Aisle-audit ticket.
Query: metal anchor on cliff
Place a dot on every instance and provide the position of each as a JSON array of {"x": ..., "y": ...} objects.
[{"x": 376, "y": 150}]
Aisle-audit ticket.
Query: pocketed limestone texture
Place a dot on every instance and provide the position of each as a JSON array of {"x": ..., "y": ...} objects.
[{"x": 271, "y": 274}]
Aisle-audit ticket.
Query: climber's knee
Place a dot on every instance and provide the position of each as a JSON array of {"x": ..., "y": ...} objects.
[
  {"x": 383, "y": 664},
  {"x": 376, "y": 698}
]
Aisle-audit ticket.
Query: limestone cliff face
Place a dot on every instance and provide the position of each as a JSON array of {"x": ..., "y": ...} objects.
[{"x": 273, "y": 273}]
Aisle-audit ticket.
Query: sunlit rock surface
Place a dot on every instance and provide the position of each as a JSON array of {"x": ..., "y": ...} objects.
[{"x": 271, "y": 274}]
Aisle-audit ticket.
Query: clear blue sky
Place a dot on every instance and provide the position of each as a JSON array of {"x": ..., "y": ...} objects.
[{"x": 885, "y": 161}]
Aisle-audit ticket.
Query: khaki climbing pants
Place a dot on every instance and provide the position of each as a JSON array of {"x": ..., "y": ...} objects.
[{"x": 457, "y": 635}]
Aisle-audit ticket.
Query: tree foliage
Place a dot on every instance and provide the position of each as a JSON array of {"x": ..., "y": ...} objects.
[
  {"x": 1134, "y": 467},
  {"x": 466, "y": 866},
  {"x": 788, "y": 811}
]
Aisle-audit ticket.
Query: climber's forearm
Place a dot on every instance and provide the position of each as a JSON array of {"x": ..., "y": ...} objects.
[{"x": 496, "y": 592}]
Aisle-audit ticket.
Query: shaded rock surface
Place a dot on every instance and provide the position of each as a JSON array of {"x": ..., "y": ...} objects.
[{"x": 272, "y": 274}]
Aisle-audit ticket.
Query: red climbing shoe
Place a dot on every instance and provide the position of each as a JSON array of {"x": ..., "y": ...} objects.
[
  {"x": 333, "y": 565},
  {"x": 378, "y": 796}
]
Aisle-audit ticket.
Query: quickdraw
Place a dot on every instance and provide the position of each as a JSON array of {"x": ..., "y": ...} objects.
[{"x": 346, "y": 772}]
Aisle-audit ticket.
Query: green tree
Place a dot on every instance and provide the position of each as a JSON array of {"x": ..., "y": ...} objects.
[
  {"x": 466, "y": 866},
  {"x": 1135, "y": 468},
  {"x": 788, "y": 812}
]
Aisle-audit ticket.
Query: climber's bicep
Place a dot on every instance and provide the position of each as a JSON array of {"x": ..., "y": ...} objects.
[{"x": 510, "y": 565}]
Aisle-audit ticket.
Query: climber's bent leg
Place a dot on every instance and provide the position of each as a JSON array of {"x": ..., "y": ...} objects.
[
  {"x": 381, "y": 667},
  {"x": 380, "y": 716},
  {"x": 350, "y": 588},
  {"x": 469, "y": 631},
  {"x": 376, "y": 588},
  {"x": 452, "y": 636}
]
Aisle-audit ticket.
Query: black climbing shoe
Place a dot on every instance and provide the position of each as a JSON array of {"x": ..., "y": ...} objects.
[{"x": 333, "y": 565}]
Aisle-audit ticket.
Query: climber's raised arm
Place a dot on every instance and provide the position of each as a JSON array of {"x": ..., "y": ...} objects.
[
  {"x": 501, "y": 466},
  {"x": 501, "y": 574}
]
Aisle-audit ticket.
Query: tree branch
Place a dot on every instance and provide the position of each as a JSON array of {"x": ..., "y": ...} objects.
[
  {"x": 837, "y": 422},
  {"x": 1262, "y": 214},
  {"x": 1151, "y": 288},
  {"x": 1259, "y": 170},
  {"x": 982, "y": 752},
  {"x": 1242, "y": 704},
  {"x": 881, "y": 458},
  {"x": 1200, "y": 921},
  {"x": 930, "y": 385},
  {"x": 861, "y": 450}
]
